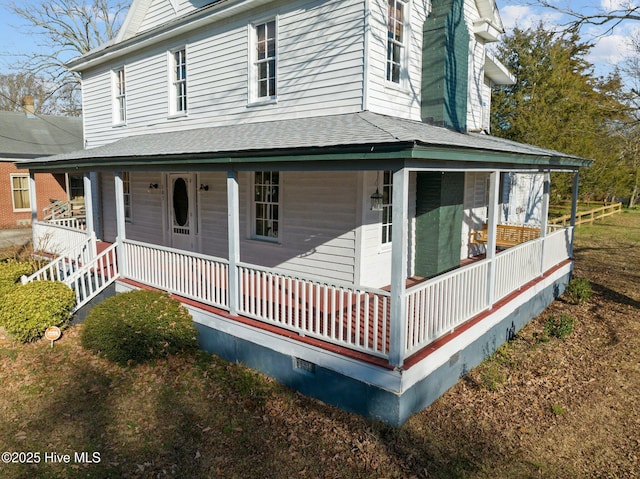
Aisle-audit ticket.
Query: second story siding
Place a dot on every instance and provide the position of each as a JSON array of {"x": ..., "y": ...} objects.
[
  {"x": 400, "y": 99},
  {"x": 319, "y": 70}
]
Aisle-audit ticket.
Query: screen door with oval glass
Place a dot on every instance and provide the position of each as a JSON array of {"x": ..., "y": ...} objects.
[{"x": 182, "y": 210}]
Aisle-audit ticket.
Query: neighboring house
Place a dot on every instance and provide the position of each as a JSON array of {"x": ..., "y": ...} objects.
[
  {"x": 308, "y": 178},
  {"x": 24, "y": 135}
]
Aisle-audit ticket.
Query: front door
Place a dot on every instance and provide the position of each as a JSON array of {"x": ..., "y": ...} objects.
[{"x": 182, "y": 210}]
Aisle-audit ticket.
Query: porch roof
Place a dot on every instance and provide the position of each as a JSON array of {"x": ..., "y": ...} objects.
[{"x": 351, "y": 137}]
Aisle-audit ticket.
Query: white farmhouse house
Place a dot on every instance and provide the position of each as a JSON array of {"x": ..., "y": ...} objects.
[{"x": 316, "y": 181}]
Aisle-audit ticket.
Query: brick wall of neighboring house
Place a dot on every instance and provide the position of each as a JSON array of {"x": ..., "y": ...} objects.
[{"x": 48, "y": 187}]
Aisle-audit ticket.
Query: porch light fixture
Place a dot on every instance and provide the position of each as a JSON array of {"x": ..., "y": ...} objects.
[
  {"x": 204, "y": 187},
  {"x": 376, "y": 198},
  {"x": 153, "y": 186}
]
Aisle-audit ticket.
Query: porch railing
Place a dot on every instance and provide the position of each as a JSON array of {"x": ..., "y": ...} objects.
[
  {"x": 191, "y": 275},
  {"x": 55, "y": 239},
  {"x": 66, "y": 263},
  {"x": 343, "y": 314},
  {"x": 349, "y": 316},
  {"x": 354, "y": 317},
  {"x": 80, "y": 268},
  {"x": 76, "y": 222},
  {"x": 437, "y": 306}
]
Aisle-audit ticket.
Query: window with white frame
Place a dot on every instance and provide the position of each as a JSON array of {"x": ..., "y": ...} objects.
[
  {"x": 20, "y": 192},
  {"x": 395, "y": 39},
  {"x": 387, "y": 199},
  {"x": 178, "y": 82},
  {"x": 126, "y": 194},
  {"x": 119, "y": 97},
  {"x": 264, "y": 60},
  {"x": 266, "y": 204}
]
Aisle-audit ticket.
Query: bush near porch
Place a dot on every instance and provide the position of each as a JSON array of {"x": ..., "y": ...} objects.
[
  {"x": 562, "y": 408},
  {"x": 26, "y": 311},
  {"x": 138, "y": 326}
]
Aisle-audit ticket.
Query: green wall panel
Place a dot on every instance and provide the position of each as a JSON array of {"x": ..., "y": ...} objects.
[
  {"x": 445, "y": 70},
  {"x": 439, "y": 214}
]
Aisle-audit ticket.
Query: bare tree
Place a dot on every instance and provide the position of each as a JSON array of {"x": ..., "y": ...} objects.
[
  {"x": 15, "y": 86},
  {"x": 66, "y": 29},
  {"x": 618, "y": 12}
]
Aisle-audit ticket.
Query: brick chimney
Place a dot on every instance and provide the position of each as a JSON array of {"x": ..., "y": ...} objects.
[{"x": 28, "y": 107}]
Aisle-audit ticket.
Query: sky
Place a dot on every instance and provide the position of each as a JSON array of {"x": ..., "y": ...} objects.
[{"x": 608, "y": 51}]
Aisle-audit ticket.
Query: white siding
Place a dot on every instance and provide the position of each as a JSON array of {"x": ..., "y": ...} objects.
[
  {"x": 385, "y": 97},
  {"x": 375, "y": 257},
  {"x": 522, "y": 195},
  {"x": 318, "y": 226},
  {"x": 318, "y": 220},
  {"x": 320, "y": 71},
  {"x": 147, "y": 208}
]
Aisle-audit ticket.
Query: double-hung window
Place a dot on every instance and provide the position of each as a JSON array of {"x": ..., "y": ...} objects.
[
  {"x": 20, "y": 192},
  {"x": 266, "y": 203},
  {"x": 395, "y": 40},
  {"x": 178, "y": 82},
  {"x": 119, "y": 97},
  {"x": 264, "y": 61},
  {"x": 387, "y": 199}
]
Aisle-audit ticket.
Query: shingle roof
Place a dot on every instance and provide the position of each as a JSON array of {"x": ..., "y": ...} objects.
[
  {"x": 275, "y": 137},
  {"x": 23, "y": 136}
]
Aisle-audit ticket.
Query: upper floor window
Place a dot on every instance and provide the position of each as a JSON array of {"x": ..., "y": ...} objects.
[
  {"x": 395, "y": 39},
  {"x": 387, "y": 209},
  {"x": 20, "y": 192},
  {"x": 264, "y": 60},
  {"x": 179, "y": 82},
  {"x": 120, "y": 97},
  {"x": 266, "y": 203}
]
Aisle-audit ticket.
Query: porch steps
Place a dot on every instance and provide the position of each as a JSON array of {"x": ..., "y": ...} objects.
[{"x": 88, "y": 269}]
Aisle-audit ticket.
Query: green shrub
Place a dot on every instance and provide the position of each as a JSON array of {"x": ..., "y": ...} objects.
[
  {"x": 559, "y": 327},
  {"x": 579, "y": 290},
  {"x": 11, "y": 272},
  {"x": 26, "y": 311},
  {"x": 137, "y": 326}
]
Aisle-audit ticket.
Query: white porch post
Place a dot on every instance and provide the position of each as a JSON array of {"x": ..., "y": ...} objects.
[
  {"x": 33, "y": 201},
  {"x": 574, "y": 209},
  {"x": 233, "y": 224},
  {"x": 492, "y": 222},
  {"x": 399, "y": 249},
  {"x": 120, "y": 222},
  {"x": 544, "y": 215},
  {"x": 88, "y": 211}
]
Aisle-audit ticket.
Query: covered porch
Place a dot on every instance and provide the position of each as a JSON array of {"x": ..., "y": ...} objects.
[
  {"x": 384, "y": 325},
  {"x": 383, "y": 335}
]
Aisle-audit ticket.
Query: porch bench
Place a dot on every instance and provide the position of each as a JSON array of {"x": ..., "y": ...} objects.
[{"x": 506, "y": 235}]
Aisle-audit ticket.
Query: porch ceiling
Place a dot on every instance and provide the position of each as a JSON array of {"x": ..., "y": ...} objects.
[{"x": 325, "y": 142}]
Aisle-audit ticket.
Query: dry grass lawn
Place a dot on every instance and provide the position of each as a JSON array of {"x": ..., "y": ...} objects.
[{"x": 541, "y": 407}]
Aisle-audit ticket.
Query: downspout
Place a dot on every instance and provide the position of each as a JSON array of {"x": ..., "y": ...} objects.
[{"x": 365, "y": 61}]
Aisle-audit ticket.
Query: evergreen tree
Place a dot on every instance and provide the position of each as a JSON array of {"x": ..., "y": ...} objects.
[{"x": 557, "y": 103}]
